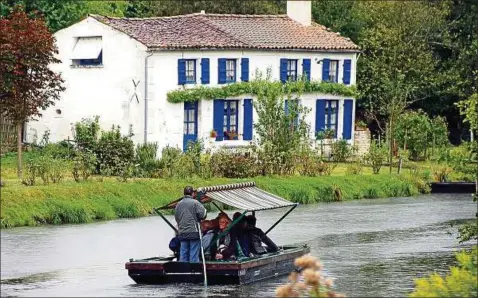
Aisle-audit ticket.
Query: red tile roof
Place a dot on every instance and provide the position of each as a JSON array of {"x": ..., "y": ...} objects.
[{"x": 229, "y": 31}]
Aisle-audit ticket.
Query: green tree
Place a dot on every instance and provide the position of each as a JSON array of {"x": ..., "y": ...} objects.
[
  {"x": 280, "y": 133},
  {"x": 107, "y": 8},
  {"x": 58, "y": 14},
  {"x": 139, "y": 8},
  {"x": 416, "y": 132},
  {"x": 340, "y": 16},
  {"x": 27, "y": 84},
  {"x": 397, "y": 43}
]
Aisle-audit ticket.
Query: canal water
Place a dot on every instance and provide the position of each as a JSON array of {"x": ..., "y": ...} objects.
[{"x": 369, "y": 247}]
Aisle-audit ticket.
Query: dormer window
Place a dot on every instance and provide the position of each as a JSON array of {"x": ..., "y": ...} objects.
[{"x": 88, "y": 51}]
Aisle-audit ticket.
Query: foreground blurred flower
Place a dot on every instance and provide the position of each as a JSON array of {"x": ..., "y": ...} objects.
[{"x": 314, "y": 284}]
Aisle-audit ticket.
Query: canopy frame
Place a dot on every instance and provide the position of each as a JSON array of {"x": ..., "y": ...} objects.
[{"x": 202, "y": 197}]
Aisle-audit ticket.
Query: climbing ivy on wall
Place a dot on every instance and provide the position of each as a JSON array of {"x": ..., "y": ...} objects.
[{"x": 252, "y": 88}]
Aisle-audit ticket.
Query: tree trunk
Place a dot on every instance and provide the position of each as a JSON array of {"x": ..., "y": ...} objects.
[{"x": 19, "y": 151}]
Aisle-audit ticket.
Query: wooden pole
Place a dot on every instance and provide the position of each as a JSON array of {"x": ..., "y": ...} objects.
[
  {"x": 280, "y": 219},
  {"x": 202, "y": 253}
]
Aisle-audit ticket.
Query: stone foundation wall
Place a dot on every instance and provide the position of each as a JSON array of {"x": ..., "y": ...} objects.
[{"x": 362, "y": 141}]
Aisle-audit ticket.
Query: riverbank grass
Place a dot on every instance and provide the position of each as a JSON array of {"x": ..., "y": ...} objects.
[{"x": 71, "y": 202}]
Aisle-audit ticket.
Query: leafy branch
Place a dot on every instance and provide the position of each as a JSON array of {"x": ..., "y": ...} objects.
[{"x": 255, "y": 87}]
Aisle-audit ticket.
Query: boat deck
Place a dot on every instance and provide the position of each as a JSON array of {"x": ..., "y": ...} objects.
[{"x": 160, "y": 270}]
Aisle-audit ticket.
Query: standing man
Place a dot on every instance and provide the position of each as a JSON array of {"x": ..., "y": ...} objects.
[{"x": 188, "y": 213}]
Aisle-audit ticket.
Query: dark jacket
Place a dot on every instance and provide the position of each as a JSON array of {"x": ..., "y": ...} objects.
[
  {"x": 188, "y": 213},
  {"x": 230, "y": 241},
  {"x": 256, "y": 238}
]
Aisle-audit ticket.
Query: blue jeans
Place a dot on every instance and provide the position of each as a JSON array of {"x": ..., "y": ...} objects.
[{"x": 189, "y": 251}]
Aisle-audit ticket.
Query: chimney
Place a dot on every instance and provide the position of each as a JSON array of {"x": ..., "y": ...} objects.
[{"x": 300, "y": 11}]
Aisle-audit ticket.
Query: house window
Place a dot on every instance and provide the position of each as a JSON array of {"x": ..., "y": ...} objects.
[
  {"x": 88, "y": 51},
  {"x": 190, "y": 119},
  {"x": 190, "y": 71},
  {"x": 291, "y": 70},
  {"x": 230, "y": 70},
  {"x": 230, "y": 119},
  {"x": 331, "y": 115},
  {"x": 334, "y": 71}
]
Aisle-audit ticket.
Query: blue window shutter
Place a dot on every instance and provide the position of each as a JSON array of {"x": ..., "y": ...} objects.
[
  {"x": 245, "y": 69},
  {"x": 325, "y": 69},
  {"x": 221, "y": 74},
  {"x": 348, "y": 110},
  {"x": 205, "y": 70},
  {"x": 218, "y": 118},
  {"x": 320, "y": 115},
  {"x": 181, "y": 71},
  {"x": 306, "y": 69},
  {"x": 247, "y": 133},
  {"x": 347, "y": 69},
  {"x": 283, "y": 70}
]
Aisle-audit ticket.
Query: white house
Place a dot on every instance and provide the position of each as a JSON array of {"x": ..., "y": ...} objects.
[{"x": 121, "y": 69}]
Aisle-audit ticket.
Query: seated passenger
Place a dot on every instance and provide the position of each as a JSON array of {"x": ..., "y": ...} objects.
[
  {"x": 256, "y": 237},
  {"x": 222, "y": 214},
  {"x": 175, "y": 246},
  {"x": 209, "y": 230},
  {"x": 242, "y": 237},
  {"x": 224, "y": 247}
]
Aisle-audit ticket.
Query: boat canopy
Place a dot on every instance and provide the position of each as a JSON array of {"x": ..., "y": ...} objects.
[{"x": 244, "y": 196}]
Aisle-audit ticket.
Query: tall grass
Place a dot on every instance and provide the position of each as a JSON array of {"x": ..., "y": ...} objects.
[{"x": 72, "y": 202}]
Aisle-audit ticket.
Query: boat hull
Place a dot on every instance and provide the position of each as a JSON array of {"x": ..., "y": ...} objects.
[{"x": 165, "y": 270}]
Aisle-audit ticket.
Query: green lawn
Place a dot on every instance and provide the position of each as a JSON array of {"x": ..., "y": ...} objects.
[{"x": 71, "y": 202}]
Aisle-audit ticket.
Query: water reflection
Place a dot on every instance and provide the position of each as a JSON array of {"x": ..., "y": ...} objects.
[{"x": 370, "y": 248}]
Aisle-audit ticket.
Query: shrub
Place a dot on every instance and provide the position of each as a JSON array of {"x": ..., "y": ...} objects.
[
  {"x": 205, "y": 170},
  {"x": 354, "y": 168},
  {"x": 233, "y": 165},
  {"x": 183, "y": 167},
  {"x": 307, "y": 161},
  {"x": 416, "y": 131},
  {"x": 309, "y": 281},
  {"x": 194, "y": 150},
  {"x": 442, "y": 173},
  {"x": 61, "y": 150},
  {"x": 30, "y": 173},
  {"x": 148, "y": 165},
  {"x": 44, "y": 163},
  {"x": 325, "y": 169},
  {"x": 146, "y": 152},
  {"x": 114, "y": 152},
  {"x": 56, "y": 170},
  {"x": 86, "y": 133},
  {"x": 310, "y": 163},
  {"x": 125, "y": 171},
  {"x": 84, "y": 164},
  {"x": 168, "y": 157},
  {"x": 341, "y": 151},
  {"x": 459, "y": 282},
  {"x": 376, "y": 156}
]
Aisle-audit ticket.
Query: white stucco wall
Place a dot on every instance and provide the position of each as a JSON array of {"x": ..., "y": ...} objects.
[
  {"x": 105, "y": 90},
  {"x": 163, "y": 78}
]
